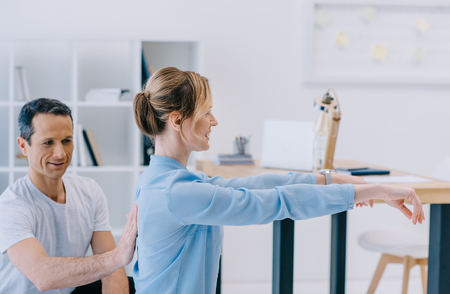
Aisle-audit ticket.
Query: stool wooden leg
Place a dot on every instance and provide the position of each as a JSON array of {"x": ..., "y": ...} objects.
[
  {"x": 408, "y": 263},
  {"x": 384, "y": 260},
  {"x": 423, "y": 271}
]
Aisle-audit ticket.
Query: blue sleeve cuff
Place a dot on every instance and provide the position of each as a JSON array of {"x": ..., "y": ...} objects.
[
  {"x": 313, "y": 178},
  {"x": 350, "y": 196}
]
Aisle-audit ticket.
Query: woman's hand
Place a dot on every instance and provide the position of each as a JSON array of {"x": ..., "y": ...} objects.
[{"x": 394, "y": 196}]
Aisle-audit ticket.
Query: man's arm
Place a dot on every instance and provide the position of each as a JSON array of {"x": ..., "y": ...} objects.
[
  {"x": 117, "y": 282},
  {"x": 46, "y": 273}
]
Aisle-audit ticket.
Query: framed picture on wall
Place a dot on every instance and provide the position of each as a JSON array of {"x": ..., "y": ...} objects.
[{"x": 378, "y": 42}]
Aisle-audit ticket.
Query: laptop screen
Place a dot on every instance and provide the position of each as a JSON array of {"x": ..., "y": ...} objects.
[{"x": 288, "y": 145}]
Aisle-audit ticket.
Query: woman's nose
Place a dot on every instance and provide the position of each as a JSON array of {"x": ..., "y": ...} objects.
[{"x": 214, "y": 121}]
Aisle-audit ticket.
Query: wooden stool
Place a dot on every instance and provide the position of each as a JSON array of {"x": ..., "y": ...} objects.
[{"x": 408, "y": 263}]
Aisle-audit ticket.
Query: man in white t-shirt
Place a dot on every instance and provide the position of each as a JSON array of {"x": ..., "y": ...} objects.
[{"x": 48, "y": 219}]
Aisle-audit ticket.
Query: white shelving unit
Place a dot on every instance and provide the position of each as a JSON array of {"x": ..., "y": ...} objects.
[{"x": 66, "y": 70}]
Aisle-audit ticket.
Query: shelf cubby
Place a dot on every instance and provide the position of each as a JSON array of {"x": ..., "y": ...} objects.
[
  {"x": 113, "y": 129},
  {"x": 48, "y": 67},
  {"x": 104, "y": 65}
]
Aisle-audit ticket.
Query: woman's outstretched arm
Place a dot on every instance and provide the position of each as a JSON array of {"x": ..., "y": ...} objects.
[{"x": 193, "y": 201}]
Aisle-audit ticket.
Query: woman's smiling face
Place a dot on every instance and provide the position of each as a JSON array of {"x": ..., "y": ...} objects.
[{"x": 199, "y": 141}]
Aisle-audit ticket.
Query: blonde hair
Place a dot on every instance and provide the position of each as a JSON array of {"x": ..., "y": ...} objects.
[{"x": 170, "y": 89}]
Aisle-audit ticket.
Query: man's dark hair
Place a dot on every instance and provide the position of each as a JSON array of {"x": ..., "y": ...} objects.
[{"x": 41, "y": 105}]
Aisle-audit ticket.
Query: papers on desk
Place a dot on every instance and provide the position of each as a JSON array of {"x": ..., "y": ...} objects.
[{"x": 396, "y": 179}]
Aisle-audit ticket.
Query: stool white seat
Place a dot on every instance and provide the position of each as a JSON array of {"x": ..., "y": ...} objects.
[
  {"x": 399, "y": 242},
  {"x": 406, "y": 244}
]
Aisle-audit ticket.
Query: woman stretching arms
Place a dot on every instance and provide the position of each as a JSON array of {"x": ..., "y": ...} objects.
[{"x": 181, "y": 213}]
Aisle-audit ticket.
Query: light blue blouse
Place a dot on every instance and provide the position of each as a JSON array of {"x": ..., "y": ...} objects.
[{"x": 181, "y": 215}]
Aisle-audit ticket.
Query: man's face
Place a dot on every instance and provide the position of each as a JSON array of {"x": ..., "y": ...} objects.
[{"x": 51, "y": 147}]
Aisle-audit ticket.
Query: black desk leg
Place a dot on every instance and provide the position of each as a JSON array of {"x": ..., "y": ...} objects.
[
  {"x": 219, "y": 277},
  {"x": 439, "y": 251},
  {"x": 338, "y": 248},
  {"x": 283, "y": 257}
]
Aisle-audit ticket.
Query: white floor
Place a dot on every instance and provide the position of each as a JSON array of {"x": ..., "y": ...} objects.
[{"x": 386, "y": 286}]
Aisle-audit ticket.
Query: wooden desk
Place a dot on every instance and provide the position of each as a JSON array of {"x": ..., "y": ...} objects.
[{"x": 437, "y": 193}]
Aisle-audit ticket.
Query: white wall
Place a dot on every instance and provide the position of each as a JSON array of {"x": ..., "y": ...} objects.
[{"x": 253, "y": 54}]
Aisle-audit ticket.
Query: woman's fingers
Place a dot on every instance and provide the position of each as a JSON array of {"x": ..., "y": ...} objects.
[
  {"x": 405, "y": 211},
  {"x": 418, "y": 209},
  {"x": 419, "y": 217},
  {"x": 365, "y": 203},
  {"x": 418, "y": 214},
  {"x": 395, "y": 197}
]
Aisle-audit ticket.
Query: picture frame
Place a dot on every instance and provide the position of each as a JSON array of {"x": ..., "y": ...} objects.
[{"x": 400, "y": 44}]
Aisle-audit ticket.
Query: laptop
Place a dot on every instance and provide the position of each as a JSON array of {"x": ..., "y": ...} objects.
[{"x": 288, "y": 145}]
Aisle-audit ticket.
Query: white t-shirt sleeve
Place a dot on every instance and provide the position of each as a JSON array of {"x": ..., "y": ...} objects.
[
  {"x": 16, "y": 221},
  {"x": 101, "y": 218}
]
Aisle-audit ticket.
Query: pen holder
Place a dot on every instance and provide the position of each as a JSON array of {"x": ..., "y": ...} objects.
[{"x": 241, "y": 145}]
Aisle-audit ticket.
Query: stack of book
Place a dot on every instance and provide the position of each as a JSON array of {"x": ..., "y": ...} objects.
[
  {"x": 233, "y": 159},
  {"x": 88, "y": 147}
]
